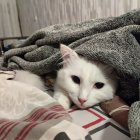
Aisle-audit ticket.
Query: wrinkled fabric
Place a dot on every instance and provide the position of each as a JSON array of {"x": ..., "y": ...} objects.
[{"x": 114, "y": 41}]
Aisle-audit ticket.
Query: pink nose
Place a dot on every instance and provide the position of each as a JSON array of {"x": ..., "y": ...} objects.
[{"x": 81, "y": 100}]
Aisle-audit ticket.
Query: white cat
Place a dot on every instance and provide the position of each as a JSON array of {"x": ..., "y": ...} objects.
[
  {"x": 29, "y": 78},
  {"x": 83, "y": 82}
]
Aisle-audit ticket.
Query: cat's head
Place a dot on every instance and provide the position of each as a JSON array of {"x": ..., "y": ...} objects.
[{"x": 87, "y": 83}]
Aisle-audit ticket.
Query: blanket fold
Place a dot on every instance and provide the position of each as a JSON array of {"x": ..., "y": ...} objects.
[
  {"x": 103, "y": 40},
  {"x": 114, "y": 41},
  {"x": 34, "y": 114}
]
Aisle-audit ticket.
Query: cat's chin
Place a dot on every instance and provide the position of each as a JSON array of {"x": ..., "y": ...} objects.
[{"x": 82, "y": 106}]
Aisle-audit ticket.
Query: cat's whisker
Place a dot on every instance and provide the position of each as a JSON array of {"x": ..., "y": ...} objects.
[{"x": 56, "y": 62}]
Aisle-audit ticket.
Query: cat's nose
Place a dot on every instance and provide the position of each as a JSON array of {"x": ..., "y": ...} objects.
[{"x": 82, "y": 100}]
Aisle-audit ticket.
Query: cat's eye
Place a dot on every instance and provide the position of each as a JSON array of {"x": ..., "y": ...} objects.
[
  {"x": 75, "y": 79},
  {"x": 99, "y": 85}
]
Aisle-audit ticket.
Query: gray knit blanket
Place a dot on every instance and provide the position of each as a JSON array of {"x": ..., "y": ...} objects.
[{"x": 114, "y": 41}]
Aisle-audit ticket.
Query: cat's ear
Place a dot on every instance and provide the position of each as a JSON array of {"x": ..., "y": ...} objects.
[{"x": 67, "y": 53}]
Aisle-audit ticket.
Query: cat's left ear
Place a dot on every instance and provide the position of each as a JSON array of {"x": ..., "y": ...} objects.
[{"x": 67, "y": 53}]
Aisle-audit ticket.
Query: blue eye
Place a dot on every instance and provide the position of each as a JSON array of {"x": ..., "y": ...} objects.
[
  {"x": 99, "y": 85},
  {"x": 75, "y": 79}
]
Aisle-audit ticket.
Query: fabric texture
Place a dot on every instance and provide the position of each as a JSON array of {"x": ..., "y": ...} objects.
[
  {"x": 120, "y": 116},
  {"x": 114, "y": 41},
  {"x": 34, "y": 114},
  {"x": 99, "y": 125},
  {"x": 41, "y": 118},
  {"x": 134, "y": 121}
]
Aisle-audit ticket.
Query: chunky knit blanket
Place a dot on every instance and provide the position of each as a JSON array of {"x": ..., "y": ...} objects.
[{"x": 114, "y": 41}]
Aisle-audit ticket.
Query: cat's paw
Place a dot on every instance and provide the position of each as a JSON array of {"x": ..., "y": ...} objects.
[
  {"x": 64, "y": 101},
  {"x": 65, "y": 104}
]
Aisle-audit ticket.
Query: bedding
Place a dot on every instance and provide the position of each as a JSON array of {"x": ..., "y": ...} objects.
[
  {"x": 38, "y": 117},
  {"x": 99, "y": 125},
  {"x": 41, "y": 118},
  {"x": 114, "y": 41}
]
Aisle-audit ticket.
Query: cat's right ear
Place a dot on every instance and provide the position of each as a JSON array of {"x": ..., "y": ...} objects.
[{"x": 67, "y": 53}]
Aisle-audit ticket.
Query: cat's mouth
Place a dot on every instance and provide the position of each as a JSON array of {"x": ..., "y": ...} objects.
[
  {"x": 82, "y": 106},
  {"x": 79, "y": 105},
  {"x": 77, "y": 102}
]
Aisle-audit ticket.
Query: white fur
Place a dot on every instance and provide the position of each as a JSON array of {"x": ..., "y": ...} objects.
[
  {"x": 18, "y": 99},
  {"x": 67, "y": 91},
  {"x": 29, "y": 78}
]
